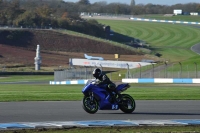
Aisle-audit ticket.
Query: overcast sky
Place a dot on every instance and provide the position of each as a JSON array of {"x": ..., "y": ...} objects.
[{"x": 160, "y": 2}]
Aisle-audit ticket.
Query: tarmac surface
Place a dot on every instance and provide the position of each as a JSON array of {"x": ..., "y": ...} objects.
[{"x": 73, "y": 111}]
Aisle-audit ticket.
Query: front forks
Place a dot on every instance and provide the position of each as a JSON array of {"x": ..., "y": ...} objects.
[{"x": 91, "y": 96}]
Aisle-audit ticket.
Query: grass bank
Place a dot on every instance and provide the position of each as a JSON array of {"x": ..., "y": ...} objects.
[
  {"x": 18, "y": 78},
  {"x": 46, "y": 92},
  {"x": 172, "y": 41},
  {"x": 27, "y": 92}
]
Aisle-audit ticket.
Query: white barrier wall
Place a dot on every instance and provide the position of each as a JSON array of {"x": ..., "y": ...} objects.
[
  {"x": 68, "y": 82},
  {"x": 156, "y": 80},
  {"x": 162, "y": 80},
  {"x": 164, "y": 21},
  {"x": 107, "y": 63}
]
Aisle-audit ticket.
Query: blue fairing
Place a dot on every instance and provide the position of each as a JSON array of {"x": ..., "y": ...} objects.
[
  {"x": 122, "y": 87},
  {"x": 101, "y": 95},
  {"x": 97, "y": 91}
]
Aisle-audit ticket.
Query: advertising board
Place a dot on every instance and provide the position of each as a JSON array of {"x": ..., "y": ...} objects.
[{"x": 107, "y": 63}]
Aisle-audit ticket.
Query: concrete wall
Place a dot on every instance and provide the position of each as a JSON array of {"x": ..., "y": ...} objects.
[
  {"x": 162, "y": 80},
  {"x": 149, "y": 80}
]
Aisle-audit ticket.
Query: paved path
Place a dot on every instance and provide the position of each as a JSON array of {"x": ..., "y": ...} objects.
[{"x": 196, "y": 48}]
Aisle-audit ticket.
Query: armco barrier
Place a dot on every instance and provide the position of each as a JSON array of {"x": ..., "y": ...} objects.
[
  {"x": 162, "y": 80},
  {"x": 26, "y": 73},
  {"x": 68, "y": 82},
  {"x": 165, "y": 21}
]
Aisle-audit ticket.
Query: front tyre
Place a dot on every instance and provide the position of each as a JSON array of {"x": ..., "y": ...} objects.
[
  {"x": 89, "y": 105},
  {"x": 127, "y": 104}
]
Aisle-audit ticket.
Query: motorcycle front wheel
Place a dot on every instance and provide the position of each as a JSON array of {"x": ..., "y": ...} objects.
[
  {"x": 89, "y": 105},
  {"x": 127, "y": 103}
]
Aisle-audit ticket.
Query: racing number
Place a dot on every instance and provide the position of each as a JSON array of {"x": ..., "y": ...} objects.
[{"x": 114, "y": 106}]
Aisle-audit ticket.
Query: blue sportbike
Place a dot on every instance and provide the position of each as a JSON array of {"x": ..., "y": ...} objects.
[{"x": 98, "y": 98}]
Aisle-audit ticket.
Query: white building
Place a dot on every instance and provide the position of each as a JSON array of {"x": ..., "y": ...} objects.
[
  {"x": 178, "y": 12},
  {"x": 194, "y": 13}
]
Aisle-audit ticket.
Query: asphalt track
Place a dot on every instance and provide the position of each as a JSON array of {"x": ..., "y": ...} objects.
[{"x": 72, "y": 111}]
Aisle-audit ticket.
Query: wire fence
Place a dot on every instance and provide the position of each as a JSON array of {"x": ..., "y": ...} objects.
[
  {"x": 161, "y": 74},
  {"x": 73, "y": 73},
  {"x": 161, "y": 71},
  {"x": 165, "y": 71}
]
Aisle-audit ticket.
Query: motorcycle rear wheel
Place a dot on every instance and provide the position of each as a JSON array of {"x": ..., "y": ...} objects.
[
  {"x": 90, "y": 106},
  {"x": 127, "y": 104}
]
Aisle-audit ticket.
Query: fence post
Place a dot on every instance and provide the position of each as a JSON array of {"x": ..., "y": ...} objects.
[
  {"x": 85, "y": 72},
  {"x": 181, "y": 69},
  {"x": 166, "y": 69},
  {"x": 140, "y": 70},
  {"x": 172, "y": 70},
  {"x": 153, "y": 69},
  {"x": 91, "y": 72},
  {"x": 127, "y": 70},
  {"x": 75, "y": 73},
  {"x": 196, "y": 69},
  {"x": 188, "y": 72},
  {"x": 81, "y": 71}
]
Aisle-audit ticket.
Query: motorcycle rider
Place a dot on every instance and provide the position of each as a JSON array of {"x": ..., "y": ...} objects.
[{"x": 102, "y": 79}]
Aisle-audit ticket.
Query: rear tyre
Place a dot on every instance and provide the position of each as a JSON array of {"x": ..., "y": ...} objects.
[
  {"x": 90, "y": 106},
  {"x": 127, "y": 103}
]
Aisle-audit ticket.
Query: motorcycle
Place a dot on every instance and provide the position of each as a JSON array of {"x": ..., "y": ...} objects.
[{"x": 98, "y": 98}]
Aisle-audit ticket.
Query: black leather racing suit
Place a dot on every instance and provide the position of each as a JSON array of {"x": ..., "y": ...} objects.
[{"x": 103, "y": 81}]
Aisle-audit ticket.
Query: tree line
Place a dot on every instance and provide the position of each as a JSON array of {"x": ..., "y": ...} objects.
[
  {"x": 61, "y": 14},
  {"x": 129, "y": 9},
  {"x": 46, "y": 14}
]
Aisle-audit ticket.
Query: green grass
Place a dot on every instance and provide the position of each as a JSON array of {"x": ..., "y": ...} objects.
[
  {"x": 171, "y": 40},
  {"x": 17, "y": 78},
  {"x": 40, "y": 92},
  {"x": 45, "y": 92},
  {"x": 22, "y": 92}
]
